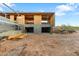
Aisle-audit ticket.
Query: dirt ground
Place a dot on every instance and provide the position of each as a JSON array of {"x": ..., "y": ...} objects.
[{"x": 42, "y": 45}]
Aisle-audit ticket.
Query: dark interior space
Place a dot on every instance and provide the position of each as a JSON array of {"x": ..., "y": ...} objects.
[
  {"x": 17, "y": 27},
  {"x": 29, "y": 29},
  {"x": 45, "y": 29}
]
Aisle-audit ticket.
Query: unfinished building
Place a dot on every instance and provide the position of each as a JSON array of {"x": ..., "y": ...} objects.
[{"x": 39, "y": 22}]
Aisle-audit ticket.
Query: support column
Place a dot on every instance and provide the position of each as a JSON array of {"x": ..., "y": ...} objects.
[
  {"x": 52, "y": 22},
  {"x": 37, "y": 23},
  {"x": 21, "y": 19},
  {"x": 11, "y": 17}
]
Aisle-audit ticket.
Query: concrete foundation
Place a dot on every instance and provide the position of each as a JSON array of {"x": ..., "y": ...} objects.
[{"x": 37, "y": 29}]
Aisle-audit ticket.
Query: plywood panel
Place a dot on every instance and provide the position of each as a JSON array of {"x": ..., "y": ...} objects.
[
  {"x": 52, "y": 20},
  {"x": 11, "y": 17},
  {"x": 21, "y": 19},
  {"x": 37, "y": 19}
]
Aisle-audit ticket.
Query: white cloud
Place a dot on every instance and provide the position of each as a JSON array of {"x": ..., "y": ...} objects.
[
  {"x": 1, "y": 7},
  {"x": 1, "y": 4},
  {"x": 59, "y": 14},
  {"x": 9, "y": 4},
  {"x": 63, "y": 8},
  {"x": 75, "y": 5}
]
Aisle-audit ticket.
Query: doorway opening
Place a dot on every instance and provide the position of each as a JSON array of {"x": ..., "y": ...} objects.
[
  {"x": 29, "y": 29},
  {"x": 45, "y": 30}
]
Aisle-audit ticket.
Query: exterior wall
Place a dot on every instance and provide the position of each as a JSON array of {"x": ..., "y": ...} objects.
[
  {"x": 52, "y": 20},
  {"x": 20, "y": 19},
  {"x": 12, "y": 17},
  {"x": 37, "y": 20},
  {"x": 37, "y": 23}
]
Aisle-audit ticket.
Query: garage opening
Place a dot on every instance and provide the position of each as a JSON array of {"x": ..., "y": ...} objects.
[
  {"x": 45, "y": 29},
  {"x": 29, "y": 29}
]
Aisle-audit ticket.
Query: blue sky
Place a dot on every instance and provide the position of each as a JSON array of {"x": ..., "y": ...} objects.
[{"x": 65, "y": 13}]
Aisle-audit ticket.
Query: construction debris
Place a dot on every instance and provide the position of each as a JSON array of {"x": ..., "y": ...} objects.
[
  {"x": 12, "y": 35},
  {"x": 17, "y": 36},
  {"x": 63, "y": 29}
]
